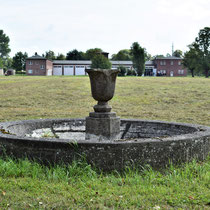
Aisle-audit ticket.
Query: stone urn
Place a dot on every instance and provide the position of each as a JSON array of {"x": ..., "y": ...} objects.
[
  {"x": 102, "y": 87},
  {"x": 102, "y": 125}
]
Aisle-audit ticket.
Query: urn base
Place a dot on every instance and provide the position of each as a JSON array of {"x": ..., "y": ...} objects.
[{"x": 102, "y": 126}]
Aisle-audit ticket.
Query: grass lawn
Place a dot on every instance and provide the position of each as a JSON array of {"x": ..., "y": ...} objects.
[
  {"x": 171, "y": 99},
  {"x": 26, "y": 185}
]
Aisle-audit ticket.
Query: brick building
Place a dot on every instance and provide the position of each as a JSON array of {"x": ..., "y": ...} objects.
[
  {"x": 170, "y": 66},
  {"x": 40, "y": 66},
  {"x": 37, "y": 65},
  {"x": 167, "y": 66}
]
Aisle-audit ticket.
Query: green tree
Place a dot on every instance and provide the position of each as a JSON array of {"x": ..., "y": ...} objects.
[
  {"x": 50, "y": 55},
  {"x": 100, "y": 62},
  {"x": 75, "y": 55},
  {"x": 4, "y": 45},
  {"x": 148, "y": 57},
  {"x": 158, "y": 56},
  {"x": 1, "y": 63},
  {"x": 7, "y": 62},
  {"x": 19, "y": 61},
  {"x": 202, "y": 44},
  {"x": 91, "y": 53},
  {"x": 138, "y": 57},
  {"x": 178, "y": 53},
  {"x": 61, "y": 57},
  {"x": 192, "y": 60},
  {"x": 131, "y": 72},
  {"x": 122, "y": 55}
]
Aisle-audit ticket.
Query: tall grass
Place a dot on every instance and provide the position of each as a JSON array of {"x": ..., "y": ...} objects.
[
  {"x": 25, "y": 168},
  {"x": 79, "y": 186}
]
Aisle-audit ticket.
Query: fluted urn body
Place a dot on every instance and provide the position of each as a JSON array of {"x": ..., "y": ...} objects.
[{"x": 102, "y": 87}]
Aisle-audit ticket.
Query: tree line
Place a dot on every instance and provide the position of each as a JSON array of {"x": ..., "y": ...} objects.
[{"x": 196, "y": 59}]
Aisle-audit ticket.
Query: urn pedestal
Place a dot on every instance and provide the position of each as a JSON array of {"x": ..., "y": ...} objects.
[{"x": 102, "y": 125}]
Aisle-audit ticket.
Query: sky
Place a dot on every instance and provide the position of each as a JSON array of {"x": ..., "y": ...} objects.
[{"x": 112, "y": 25}]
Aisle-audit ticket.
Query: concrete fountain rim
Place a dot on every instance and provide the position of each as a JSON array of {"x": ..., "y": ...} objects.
[
  {"x": 109, "y": 155},
  {"x": 201, "y": 131}
]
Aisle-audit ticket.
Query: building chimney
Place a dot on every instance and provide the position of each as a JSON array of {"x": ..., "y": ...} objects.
[{"x": 172, "y": 49}]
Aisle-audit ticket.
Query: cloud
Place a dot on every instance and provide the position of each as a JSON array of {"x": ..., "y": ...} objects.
[
  {"x": 195, "y": 9},
  {"x": 112, "y": 25}
]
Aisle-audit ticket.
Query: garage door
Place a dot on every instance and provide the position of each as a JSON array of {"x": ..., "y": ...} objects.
[
  {"x": 49, "y": 72},
  {"x": 57, "y": 70},
  {"x": 68, "y": 70},
  {"x": 79, "y": 70}
]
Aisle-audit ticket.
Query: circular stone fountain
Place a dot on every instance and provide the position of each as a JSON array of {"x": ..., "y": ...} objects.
[{"x": 102, "y": 138}]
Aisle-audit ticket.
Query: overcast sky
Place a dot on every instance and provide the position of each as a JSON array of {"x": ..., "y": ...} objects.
[{"x": 112, "y": 25}]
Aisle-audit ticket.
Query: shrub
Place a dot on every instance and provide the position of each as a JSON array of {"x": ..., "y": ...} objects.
[
  {"x": 122, "y": 71},
  {"x": 100, "y": 62},
  {"x": 131, "y": 72}
]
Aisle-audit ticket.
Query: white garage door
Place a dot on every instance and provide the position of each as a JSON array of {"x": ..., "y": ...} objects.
[
  {"x": 68, "y": 70},
  {"x": 57, "y": 70},
  {"x": 49, "y": 72},
  {"x": 79, "y": 70}
]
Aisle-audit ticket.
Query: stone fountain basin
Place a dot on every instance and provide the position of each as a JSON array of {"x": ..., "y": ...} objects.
[{"x": 142, "y": 142}]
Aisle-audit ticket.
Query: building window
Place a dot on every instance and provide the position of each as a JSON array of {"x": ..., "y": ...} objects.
[
  {"x": 162, "y": 63},
  {"x": 180, "y": 71},
  {"x": 42, "y": 67},
  {"x": 30, "y": 63},
  {"x": 179, "y": 63},
  {"x": 57, "y": 66},
  {"x": 172, "y": 63},
  {"x": 30, "y": 71},
  {"x": 161, "y": 73},
  {"x": 68, "y": 67}
]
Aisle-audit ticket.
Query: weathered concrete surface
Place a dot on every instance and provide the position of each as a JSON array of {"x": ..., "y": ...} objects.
[
  {"x": 102, "y": 126},
  {"x": 102, "y": 83},
  {"x": 142, "y": 142}
]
